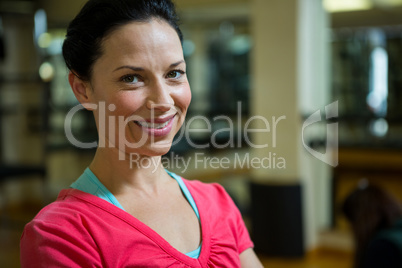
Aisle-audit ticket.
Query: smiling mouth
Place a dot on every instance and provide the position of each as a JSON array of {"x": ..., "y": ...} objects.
[
  {"x": 152, "y": 125},
  {"x": 155, "y": 125}
]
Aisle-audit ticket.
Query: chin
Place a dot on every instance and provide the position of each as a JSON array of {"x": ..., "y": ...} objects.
[
  {"x": 158, "y": 152},
  {"x": 153, "y": 150}
]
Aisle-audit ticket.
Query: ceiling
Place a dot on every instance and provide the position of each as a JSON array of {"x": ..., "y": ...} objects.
[{"x": 344, "y": 13}]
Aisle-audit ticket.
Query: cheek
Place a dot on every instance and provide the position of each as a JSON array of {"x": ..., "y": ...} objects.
[
  {"x": 183, "y": 98},
  {"x": 126, "y": 104},
  {"x": 117, "y": 102}
]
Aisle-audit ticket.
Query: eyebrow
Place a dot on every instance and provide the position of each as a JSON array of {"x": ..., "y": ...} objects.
[{"x": 139, "y": 69}]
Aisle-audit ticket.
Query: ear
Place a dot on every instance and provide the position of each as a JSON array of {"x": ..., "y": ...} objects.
[{"x": 82, "y": 90}]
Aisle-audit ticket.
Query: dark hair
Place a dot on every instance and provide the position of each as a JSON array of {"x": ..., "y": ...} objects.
[
  {"x": 369, "y": 210},
  {"x": 98, "y": 18}
]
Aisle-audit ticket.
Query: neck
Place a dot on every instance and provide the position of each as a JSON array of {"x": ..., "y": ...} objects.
[{"x": 136, "y": 171}]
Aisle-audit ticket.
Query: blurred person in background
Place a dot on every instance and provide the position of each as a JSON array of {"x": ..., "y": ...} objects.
[{"x": 375, "y": 217}]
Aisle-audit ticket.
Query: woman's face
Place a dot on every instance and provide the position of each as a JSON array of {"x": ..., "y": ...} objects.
[{"x": 141, "y": 79}]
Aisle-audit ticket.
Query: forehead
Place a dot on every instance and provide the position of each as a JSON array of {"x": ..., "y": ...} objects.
[{"x": 142, "y": 40}]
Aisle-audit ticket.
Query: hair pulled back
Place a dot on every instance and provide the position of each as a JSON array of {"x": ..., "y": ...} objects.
[{"x": 98, "y": 18}]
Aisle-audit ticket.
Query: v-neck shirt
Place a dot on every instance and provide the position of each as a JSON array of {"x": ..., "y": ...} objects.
[
  {"x": 83, "y": 230},
  {"x": 89, "y": 183}
]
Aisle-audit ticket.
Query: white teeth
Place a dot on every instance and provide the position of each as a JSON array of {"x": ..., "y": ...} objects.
[{"x": 153, "y": 125}]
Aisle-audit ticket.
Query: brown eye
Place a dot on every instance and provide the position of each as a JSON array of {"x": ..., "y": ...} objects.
[
  {"x": 175, "y": 74},
  {"x": 130, "y": 79}
]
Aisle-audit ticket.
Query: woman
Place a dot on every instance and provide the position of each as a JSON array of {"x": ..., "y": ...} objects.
[
  {"x": 376, "y": 221},
  {"x": 126, "y": 56}
]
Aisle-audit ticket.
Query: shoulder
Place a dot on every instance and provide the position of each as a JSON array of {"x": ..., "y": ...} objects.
[
  {"x": 385, "y": 249},
  {"x": 391, "y": 235},
  {"x": 58, "y": 228},
  {"x": 68, "y": 204},
  {"x": 222, "y": 213},
  {"x": 206, "y": 190},
  {"x": 59, "y": 216},
  {"x": 382, "y": 253},
  {"x": 212, "y": 196},
  {"x": 69, "y": 214}
]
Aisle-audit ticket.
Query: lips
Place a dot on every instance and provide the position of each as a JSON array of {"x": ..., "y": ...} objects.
[
  {"x": 152, "y": 125},
  {"x": 158, "y": 126}
]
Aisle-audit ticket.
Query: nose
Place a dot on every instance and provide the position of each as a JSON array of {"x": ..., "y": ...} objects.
[{"x": 159, "y": 97}]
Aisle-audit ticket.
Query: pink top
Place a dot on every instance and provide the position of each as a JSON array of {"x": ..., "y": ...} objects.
[{"x": 82, "y": 230}]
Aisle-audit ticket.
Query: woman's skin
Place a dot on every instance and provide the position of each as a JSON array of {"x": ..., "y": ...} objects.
[{"x": 140, "y": 77}]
